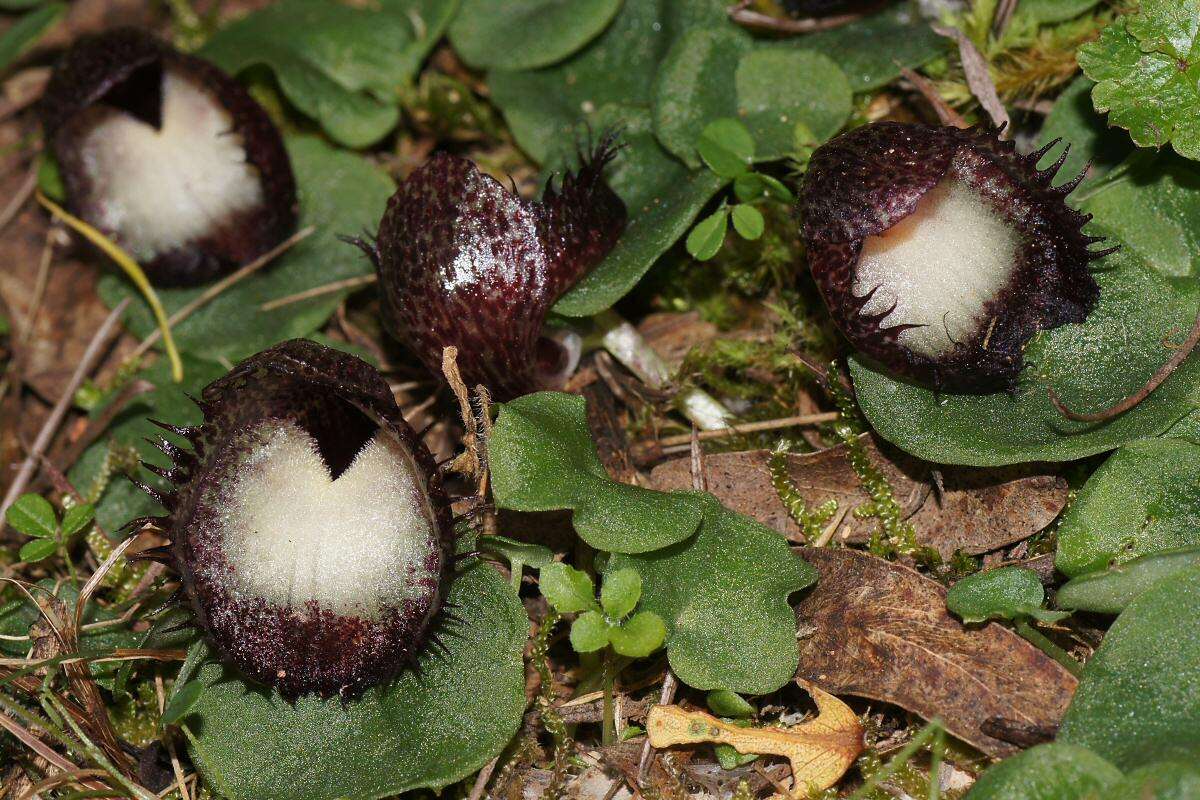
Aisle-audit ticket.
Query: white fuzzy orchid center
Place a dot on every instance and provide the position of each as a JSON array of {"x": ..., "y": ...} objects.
[
  {"x": 938, "y": 266},
  {"x": 160, "y": 188},
  {"x": 353, "y": 545}
]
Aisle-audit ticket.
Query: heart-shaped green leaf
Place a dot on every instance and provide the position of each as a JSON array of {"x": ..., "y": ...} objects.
[
  {"x": 723, "y": 594},
  {"x": 340, "y": 193},
  {"x": 542, "y": 459},
  {"x": 589, "y": 632},
  {"x": 620, "y": 593},
  {"x": 340, "y": 64},
  {"x": 1139, "y": 699},
  {"x": 545, "y": 107},
  {"x": 427, "y": 729},
  {"x": 774, "y": 89},
  {"x": 525, "y": 34},
  {"x": 639, "y": 636},
  {"x": 872, "y": 51}
]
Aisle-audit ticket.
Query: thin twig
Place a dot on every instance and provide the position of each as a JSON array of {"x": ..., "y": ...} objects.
[
  {"x": 979, "y": 77},
  {"x": 90, "y": 356},
  {"x": 1003, "y": 15},
  {"x": 319, "y": 291},
  {"x": 20, "y": 198},
  {"x": 220, "y": 286},
  {"x": 750, "y": 427},
  {"x": 743, "y": 15},
  {"x": 1156, "y": 380},
  {"x": 945, "y": 113},
  {"x": 481, "y": 780}
]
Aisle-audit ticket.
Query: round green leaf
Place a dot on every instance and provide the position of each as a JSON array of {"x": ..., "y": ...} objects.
[
  {"x": 542, "y": 459},
  {"x": 1109, "y": 592},
  {"x": 723, "y": 594},
  {"x": 1003, "y": 593},
  {"x": 545, "y": 107},
  {"x": 427, "y": 729},
  {"x": 567, "y": 589},
  {"x": 1142, "y": 500},
  {"x": 726, "y": 147},
  {"x": 748, "y": 221},
  {"x": 589, "y": 632},
  {"x": 620, "y": 592},
  {"x": 873, "y": 50},
  {"x": 779, "y": 88},
  {"x": 640, "y": 636},
  {"x": 32, "y": 515},
  {"x": 524, "y": 34},
  {"x": 709, "y": 234},
  {"x": 37, "y": 550},
  {"x": 774, "y": 89},
  {"x": 1052, "y": 771},
  {"x": 1138, "y": 701}
]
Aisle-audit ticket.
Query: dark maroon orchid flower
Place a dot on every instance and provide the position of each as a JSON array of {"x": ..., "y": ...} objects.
[
  {"x": 167, "y": 155},
  {"x": 463, "y": 261},
  {"x": 308, "y": 523},
  {"x": 940, "y": 252}
]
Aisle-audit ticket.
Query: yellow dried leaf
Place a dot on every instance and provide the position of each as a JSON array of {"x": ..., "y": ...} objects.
[{"x": 820, "y": 750}]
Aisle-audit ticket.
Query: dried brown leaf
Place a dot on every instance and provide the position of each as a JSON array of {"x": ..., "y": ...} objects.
[
  {"x": 881, "y": 630},
  {"x": 820, "y": 750},
  {"x": 980, "y": 509}
]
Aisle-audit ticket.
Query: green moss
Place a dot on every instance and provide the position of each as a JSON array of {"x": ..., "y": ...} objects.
[{"x": 811, "y": 521}]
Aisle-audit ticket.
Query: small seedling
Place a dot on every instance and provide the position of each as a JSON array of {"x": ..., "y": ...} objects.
[
  {"x": 610, "y": 626},
  {"x": 33, "y": 516},
  {"x": 609, "y": 622},
  {"x": 727, "y": 148},
  {"x": 1009, "y": 593}
]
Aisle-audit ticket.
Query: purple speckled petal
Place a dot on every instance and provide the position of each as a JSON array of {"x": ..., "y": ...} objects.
[
  {"x": 865, "y": 181},
  {"x": 341, "y": 401},
  {"x": 463, "y": 261}
]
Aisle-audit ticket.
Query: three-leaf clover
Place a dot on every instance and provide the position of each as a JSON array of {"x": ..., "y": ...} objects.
[
  {"x": 727, "y": 148},
  {"x": 611, "y": 622},
  {"x": 33, "y": 516}
]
